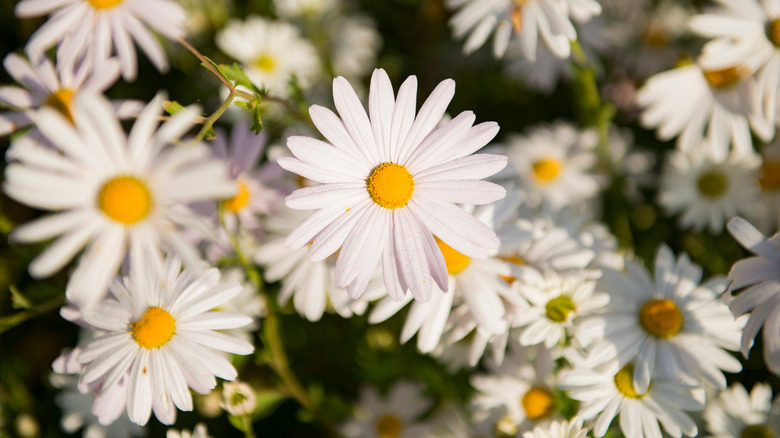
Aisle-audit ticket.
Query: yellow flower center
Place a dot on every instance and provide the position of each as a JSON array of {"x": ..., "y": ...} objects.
[
  {"x": 756, "y": 431},
  {"x": 390, "y": 185},
  {"x": 538, "y": 403},
  {"x": 241, "y": 199},
  {"x": 558, "y": 309},
  {"x": 770, "y": 175},
  {"x": 125, "y": 199},
  {"x": 62, "y": 101},
  {"x": 265, "y": 63},
  {"x": 456, "y": 262},
  {"x": 712, "y": 184},
  {"x": 725, "y": 78},
  {"x": 624, "y": 382},
  {"x": 773, "y": 32},
  {"x": 661, "y": 318},
  {"x": 154, "y": 329},
  {"x": 546, "y": 169},
  {"x": 389, "y": 426},
  {"x": 104, "y": 4}
]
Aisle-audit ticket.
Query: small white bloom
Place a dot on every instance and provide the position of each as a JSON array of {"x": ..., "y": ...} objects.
[
  {"x": 396, "y": 415},
  {"x": 238, "y": 398},
  {"x": 559, "y": 429}
]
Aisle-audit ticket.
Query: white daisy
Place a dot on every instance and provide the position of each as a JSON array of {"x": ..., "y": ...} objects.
[
  {"x": 270, "y": 52},
  {"x": 396, "y": 415},
  {"x": 452, "y": 422},
  {"x": 555, "y": 165},
  {"x": 110, "y": 191},
  {"x": 608, "y": 391},
  {"x": 238, "y": 398},
  {"x": 389, "y": 184},
  {"x": 761, "y": 275},
  {"x": 159, "y": 333},
  {"x": 736, "y": 414},
  {"x": 529, "y": 19},
  {"x": 559, "y": 305},
  {"x": 354, "y": 45},
  {"x": 709, "y": 187},
  {"x": 93, "y": 29},
  {"x": 46, "y": 86},
  {"x": 670, "y": 326},
  {"x": 559, "y": 429},
  {"x": 690, "y": 99},
  {"x": 746, "y": 31}
]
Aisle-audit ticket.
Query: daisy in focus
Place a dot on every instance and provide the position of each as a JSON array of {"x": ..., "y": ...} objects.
[
  {"x": 270, "y": 52},
  {"x": 669, "y": 326},
  {"x": 93, "y": 29},
  {"x": 735, "y": 413},
  {"x": 709, "y": 187},
  {"x": 608, "y": 391},
  {"x": 760, "y": 275},
  {"x": 389, "y": 184},
  {"x": 396, "y": 415},
  {"x": 110, "y": 191},
  {"x": 529, "y": 19},
  {"x": 159, "y": 332}
]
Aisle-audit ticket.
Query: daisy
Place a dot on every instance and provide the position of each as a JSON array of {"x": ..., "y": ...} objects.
[
  {"x": 559, "y": 429},
  {"x": 270, "y": 52},
  {"x": 158, "y": 331},
  {"x": 238, "y": 398},
  {"x": 555, "y": 165},
  {"x": 735, "y": 413},
  {"x": 746, "y": 31},
  {"x": 670, "y": 326},
  {"x": 608, "y": 391},
  {"x": 396, "y": 415},
  {"x": 708, "y": 187},
  {"x": 56, "y": 88},
  {"x": 389, "y": 184},
  {"x": 529, "y": 19},
  {"x": 93, "y": 29},
  {"x": 354, "y": 45},
  {"x": 452, "y": 422},
  {"x": 110, "y": 191},
  {"x": 558, "y": 307},
  {"x": 690, "y": 99},
  {"x": 761, "y": 275}
]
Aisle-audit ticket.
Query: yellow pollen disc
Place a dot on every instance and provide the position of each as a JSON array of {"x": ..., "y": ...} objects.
[
  {"x": 240, "y": 201},
  {"x": 154, "y": 329},
  {"x": 265, "y": 63},
  {"x": 125, "y": 199},
  {"x": 756, "y": 431},
  {"x": 725, "y": 78},
  {"x": 661, "y": 318},
  {"x": 770, "y": 175},
  {"x": 456, "y": 262},
  {"x": 62, "y": 101},
  {"x": 104, "y": 4},
  {"x": 712, "y": 184},
  {"x": 773, "y": 32},
  {"x": 546, "y": 169},
  {"x": 538, "y": 403},
  {"x": 559, "y": 308},
  {"x": 390, "y": 185},
  {"x": 624, "y": 382},
  {"x": 389, "y": 426}
]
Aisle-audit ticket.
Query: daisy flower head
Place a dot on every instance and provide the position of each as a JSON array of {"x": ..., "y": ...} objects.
[
  {"x": 559, "y": 307},
  {"x": 159, "y": 332},
  {"x": 668, "y": 325},
  {"x": 110, "y": 191},
  {"x": 528, "y": 19},
  {"x": 389, "y": 183},
  {"x": 760, "y": 275},
  {"x": 93, "y": 29},
  {"x": 270, "y": 52},
  {"x": 559, "y": 429},
  {"x": 608, "y": 391},
  {"x": 735, "y": 413},
  {"x": 396, "y": 415},
  {"x": 691, "y": 99},
  {"x": 709, "y": 187},
  {"x": 45, "y": 85},
  {"x": 555, "y": 165}
]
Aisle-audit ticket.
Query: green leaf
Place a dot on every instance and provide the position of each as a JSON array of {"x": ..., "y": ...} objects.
[
  {"x": 236, "y": 75},
  {"x": 18, "y": 300},
  {"x": 172, "y": 107}
]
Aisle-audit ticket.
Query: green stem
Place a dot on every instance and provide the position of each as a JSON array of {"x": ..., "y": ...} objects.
[
  {"x": 209, "y": 123},
  {"x": 11, "y": 321},
  {"x": 249, "y": 431}
]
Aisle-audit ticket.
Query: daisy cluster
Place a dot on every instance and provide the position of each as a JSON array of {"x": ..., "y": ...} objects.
[{"x": 375, "y": 266}]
